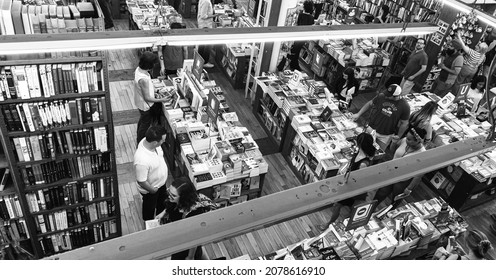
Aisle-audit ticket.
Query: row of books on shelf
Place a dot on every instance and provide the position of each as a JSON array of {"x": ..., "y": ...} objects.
[
  {"x": 40, "y": 116},
  {"x": 45, "y": 80},
  {"x": 15, "y": 230},
  {"x": 49, "y": 145},
  {"x": 69, "y": 194},
  {"x": 80, "y": 237},
  {"x": 72, "y": 168},
  {"x": 27, "y": 18},
  {"x": 72, "y": 217},
  {"x": 10, "y": 207}
]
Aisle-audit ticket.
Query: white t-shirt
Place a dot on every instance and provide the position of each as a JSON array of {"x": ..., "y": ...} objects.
[
  {"x": 474, "y": 97},
  {"x": 156, "y": 168},
  {"x": 138, "y": 99}
]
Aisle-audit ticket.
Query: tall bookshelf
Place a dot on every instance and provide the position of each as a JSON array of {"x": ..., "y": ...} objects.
[{"x": 58, "y": 140}]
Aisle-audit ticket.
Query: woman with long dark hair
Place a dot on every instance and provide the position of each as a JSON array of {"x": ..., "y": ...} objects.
[
  {"x": 476, "y": 92},
  {"x": 346, "y": 86},
  {"x": 184, "y": 202},
  {"x": 422, "y": 118}
]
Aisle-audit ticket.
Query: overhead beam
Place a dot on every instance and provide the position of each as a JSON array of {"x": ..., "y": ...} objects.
[
  {"x": 234, "y": 220},
  {"x": 27, "y": 43}
]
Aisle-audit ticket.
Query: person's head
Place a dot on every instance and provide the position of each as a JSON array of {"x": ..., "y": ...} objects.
[
  {"x": 147, "y": 60},
  {"x": 183, "y": 193},
  {"x": 450, "y": 49},
  {"x": 348, "y": 73},
  {"x": 308, "y": 6},
  {"x": 478, "y": 82},
  {"x": 393, "y": 91},
  {"x": 428, "y": 110},
  {"x": 365, "y": 142},
  {"x": 481, "y": 48},
  {"x": 415, "y": 137},
  {"x": 156, "y": 135},
  {"x": 384, "y": 12},
  {"x": 478, "y": 243},
  {"x": 420, "y": 45}
]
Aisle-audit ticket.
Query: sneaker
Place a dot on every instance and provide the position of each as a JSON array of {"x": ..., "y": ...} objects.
[{"x": 208, "y": 65}]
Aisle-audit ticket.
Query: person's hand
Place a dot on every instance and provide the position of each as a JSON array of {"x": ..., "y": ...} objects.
[
  {"x": 354, "y": 117},
  {"x": 407, "y": 192},
  {"x": 162, "y": 71},
  {"x": 153, "y": 191}
]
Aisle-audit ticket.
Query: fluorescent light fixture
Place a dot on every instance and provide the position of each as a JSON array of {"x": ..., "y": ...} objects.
[
  {"x": 22, "y": 44},
  {"x": 487, "y": 19}
]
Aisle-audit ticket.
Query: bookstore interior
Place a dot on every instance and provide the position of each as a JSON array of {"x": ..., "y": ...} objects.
[{"x": 317, "y": 129}]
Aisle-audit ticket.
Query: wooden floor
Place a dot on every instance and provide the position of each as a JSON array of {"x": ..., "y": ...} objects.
[{"x": 259, "y": 242}]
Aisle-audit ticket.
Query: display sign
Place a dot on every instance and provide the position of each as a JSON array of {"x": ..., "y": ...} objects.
[
  {"x": 360, "y": 214},
  {"x": 197, "y": 68},
  {"x": 462, "y": 92},
  {"x": 296, "y": 78}
]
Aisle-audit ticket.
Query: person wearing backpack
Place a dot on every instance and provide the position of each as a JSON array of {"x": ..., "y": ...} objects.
[{"x": 184, "y": 202}]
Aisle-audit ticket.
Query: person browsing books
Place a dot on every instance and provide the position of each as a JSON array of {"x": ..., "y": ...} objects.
[
  {"x": 407, "y": 146},
  {"x": 151, "y": 171},
  {"x": 172, "y": 56},
  {"x": 389, "y": 115},
  {"x": 450, "y": 68},
  {"x": 184, "y": 202},
  {"x": 364, "y": 158},
  {"x": 478, "y": 246},
  {"x": 422, "y": 119},
  {"x": 476, "y": 92},
  {"x": 144, "y": 95},
  {"x": 205, "y": 19},
  {"x": 305, "y": 17},
  {"x": 346, "y": 86}
]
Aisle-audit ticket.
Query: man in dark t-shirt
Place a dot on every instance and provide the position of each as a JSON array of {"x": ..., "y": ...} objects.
[
  {"x": 389, "y": 117},
  {"x": 415, "y": 66}
]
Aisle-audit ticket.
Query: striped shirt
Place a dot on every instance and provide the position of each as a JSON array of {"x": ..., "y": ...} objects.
[{"x": 473, "y": 59}]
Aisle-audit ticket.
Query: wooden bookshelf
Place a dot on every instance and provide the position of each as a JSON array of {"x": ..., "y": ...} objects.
[{"x": 64, "y": 176}]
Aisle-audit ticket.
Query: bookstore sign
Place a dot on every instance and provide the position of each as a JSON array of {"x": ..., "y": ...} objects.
[{"x": 360, "y": 214}]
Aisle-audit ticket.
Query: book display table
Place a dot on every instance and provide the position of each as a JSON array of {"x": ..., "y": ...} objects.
[
  {"x": 210, "y": 146},
  {"x": 408, "y": 232}
]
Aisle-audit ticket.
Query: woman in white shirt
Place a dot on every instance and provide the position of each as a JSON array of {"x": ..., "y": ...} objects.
[
  {"x": 144, "y": 95},
  {"x": 476, "y": 92}
]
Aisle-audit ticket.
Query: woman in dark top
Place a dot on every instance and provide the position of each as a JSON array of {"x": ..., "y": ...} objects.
[
  {"x": 184, "y": 202},
  {"x": 366, "y": 152},
  {"x": 346, "y": 86},
  {"x": 304, "y": 18}
]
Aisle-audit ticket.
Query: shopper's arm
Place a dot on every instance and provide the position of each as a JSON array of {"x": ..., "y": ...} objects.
[
  {"x": 141, "y": 171},
  {"x": 364, "y": 109},
  {"x": 162, "y": 64},
  {"x": 415, "y": 181},
  {"x": 403, "y": 125},
  {"x": 191, "y": 254},
  {"x": 464, "y": 47},
  {"x": 144, "y": 86}
]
